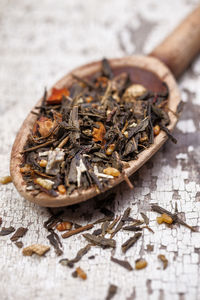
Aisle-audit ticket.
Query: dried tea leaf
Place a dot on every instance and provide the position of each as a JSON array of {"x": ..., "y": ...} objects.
[
  {"x": 55, "y": 242},
  {"x": 100, "y": 241},
  {"x": 145, "y": 218},
  {"x": 21, "y": 231},
  {"x": 130, "y": 242},
  {"x": 36, "y": 248},
  {"x": 112, "y": 290},
  {"x": 132, "y": 228},
  {"x": 150, "y": 248},
  {"x": 164, "y": 260},
  {"x": 97, "y": 231},
  {"x": 79, "y": 255},
  {"x": 98, "y": 133},
  {"x": 0, "y": 221},
  {"x": 6, "y": 230},
  {"x": 122, "y": 263},
  {"x": 19, "y": 244},
  {"x": 121, "y": 222}
]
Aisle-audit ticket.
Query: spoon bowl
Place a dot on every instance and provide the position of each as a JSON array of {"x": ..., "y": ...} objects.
[{"x": 147, "y": 71}]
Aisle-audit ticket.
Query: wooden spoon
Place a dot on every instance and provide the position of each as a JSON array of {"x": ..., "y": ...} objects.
[{"x": 177, "y": 51}]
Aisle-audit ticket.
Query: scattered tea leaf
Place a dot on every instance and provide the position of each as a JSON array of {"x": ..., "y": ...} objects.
[
  {"x": 19, "y": 244},
  {"x": 130, "y": 242},
  {"x": 145, "y": 218},
  {"x": 55, "y": 242},
  {"x": 132, "y": 228},
  {"x": 21, "y": 231},
  {"x": 70, "y": 263},
  {"x": 100, "y": 241},
  {"x": 122, "y": 263},
  {"x": 112, "y": 290},
  {"x": 6, "y": 230},
  {"x": 121, "y": 222}
]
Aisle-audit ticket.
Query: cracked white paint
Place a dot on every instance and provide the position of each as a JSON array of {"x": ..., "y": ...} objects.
[
  {"x": 186, "y": 126},
  {"x": 40, "y": 43}
]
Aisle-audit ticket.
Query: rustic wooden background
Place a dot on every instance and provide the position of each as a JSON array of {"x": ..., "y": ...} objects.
[{"x": 40, "y": 42}]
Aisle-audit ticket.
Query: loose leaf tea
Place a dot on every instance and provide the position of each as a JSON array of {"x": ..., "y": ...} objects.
[
  {"x": 55, "y": 242},
  {"x": 112, "y": 290},
  {"x": 125, "y": 264},
  {"x": 21, "y": 231},
  {"x": 174, "y": 217},
  {"x": 6, "y": 230},
  {"x": 100, "y": 241},
  {"x": 79, "y": 255},
  {"x": 130, "y": 242},
  {"x": 86, "y": 133}
]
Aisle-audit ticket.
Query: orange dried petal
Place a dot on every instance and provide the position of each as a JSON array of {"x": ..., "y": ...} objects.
[
  {"x": 56, "y": 95},
  {"x": 64, "y": 226},
  {"x": 81, "y": 273},
  {"x": 62, "y": 189},
  {"x": 98, "y": 133},
  {"x": 44, "y": 125}
]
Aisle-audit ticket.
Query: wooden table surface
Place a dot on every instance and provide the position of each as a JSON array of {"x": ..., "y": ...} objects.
[{"x": 40, "y": 42}]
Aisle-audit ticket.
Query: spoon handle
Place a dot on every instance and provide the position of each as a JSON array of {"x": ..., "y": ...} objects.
[{"x": 179, "y": 49}]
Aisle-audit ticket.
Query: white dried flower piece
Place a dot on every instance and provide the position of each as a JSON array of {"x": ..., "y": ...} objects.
[
  {"x": 45, "y": 153},
  {"x": 80, "y": 169},
  {"x": 5, "y": 179},
  {"x": 134, "y": 91},
  {"x": 55, "y": 158},
  {"x": 45, "y": 183},
  {"x": 36, "y": 248},
  {"x": 98, "y": 174}
]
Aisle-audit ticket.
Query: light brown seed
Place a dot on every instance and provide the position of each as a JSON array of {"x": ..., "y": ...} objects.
[
  {"x": 156, "y": 130},
  {"x": 81, "y": 273},
  {"x": 140, "y": 264},
  {"x": 43, "y": 163},
  {"x": 164, "y": 218},
  {"x": 62, "y": 189},
  {"x": 45, "y": 183},
  {"x": 110, "y": 149},
  {"x": 111, "y": 171},
  {"x": 5, "y": 179}
]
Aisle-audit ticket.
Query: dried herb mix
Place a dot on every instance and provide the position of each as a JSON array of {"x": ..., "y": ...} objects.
[{"x": 84, "y": 135}]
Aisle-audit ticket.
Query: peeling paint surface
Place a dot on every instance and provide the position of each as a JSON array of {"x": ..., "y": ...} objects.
[{"x": 42, "y": 41}]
